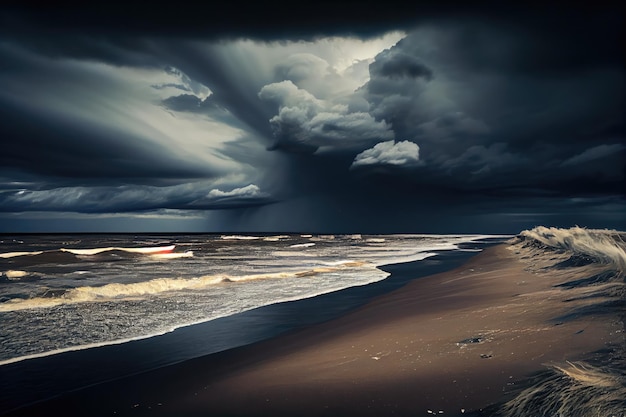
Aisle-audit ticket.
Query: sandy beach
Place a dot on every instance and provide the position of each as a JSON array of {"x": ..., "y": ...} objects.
[{"x": 448, "y": 344}]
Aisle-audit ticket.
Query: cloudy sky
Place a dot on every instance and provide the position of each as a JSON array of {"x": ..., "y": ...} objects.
[{"x": 348, "y": 117}]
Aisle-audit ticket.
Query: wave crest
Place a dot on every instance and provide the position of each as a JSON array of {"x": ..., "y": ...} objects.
[{"x": 116, "y": 291}]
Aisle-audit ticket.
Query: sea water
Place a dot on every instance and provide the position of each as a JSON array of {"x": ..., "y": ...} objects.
[{"x": 61, "y": 293}]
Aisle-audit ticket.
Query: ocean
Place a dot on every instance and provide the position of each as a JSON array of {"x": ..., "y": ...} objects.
[{"x": 162, "y": 299}]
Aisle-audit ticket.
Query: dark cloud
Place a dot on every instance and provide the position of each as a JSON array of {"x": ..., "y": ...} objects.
[
  {"x": 394, "y": 63},
  {"x": 275, "y": 21},
  {"x": 592, "y": 155},
  {"x": 193, "y": 104},
  {"x": 228, "y": 83},
  {"x": 500, "y": 109},
  {"x": 486, "y": 119},
  {"x": 58, "y": 147},
  {"x": 132, "y": 198},
  {"x": 267, "y": 20}
]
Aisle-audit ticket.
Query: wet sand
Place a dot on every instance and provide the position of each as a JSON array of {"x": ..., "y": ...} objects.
[{"x": 447, "y": 344}]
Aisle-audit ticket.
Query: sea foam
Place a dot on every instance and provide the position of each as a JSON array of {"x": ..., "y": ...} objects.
[
  {"x": 157, "y": 286},
  {"x": 15, "y": 275},
  {"x": 143, "y": 250},
  {"x": 16, "y": 254}
]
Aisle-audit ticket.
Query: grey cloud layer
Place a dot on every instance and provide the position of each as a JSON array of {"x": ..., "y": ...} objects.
[
  {"x": 484, "y": 116},
  {"x": 100, "y": 199},
  {"x": 463, "y": 105}
]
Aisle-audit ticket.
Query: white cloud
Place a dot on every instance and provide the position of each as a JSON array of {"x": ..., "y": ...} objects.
[
  {"x": 249, "y": 191},
  {"x": 322, "y": 66},
  {"x": 403, "y": 153},
  {"x": 237, "y": 197},
  {"x": 305, "y": 120},
  {"x": 310, "y": 73},
  {"x": 287, "y": 95}
]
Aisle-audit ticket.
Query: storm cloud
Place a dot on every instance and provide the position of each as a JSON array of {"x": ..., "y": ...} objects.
[
  {"x": 305, "y": 122},
  {"x": 314, "y": 119}
]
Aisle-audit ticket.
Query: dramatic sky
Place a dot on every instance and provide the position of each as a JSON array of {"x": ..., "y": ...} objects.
[{"x": 367, "y": 117}]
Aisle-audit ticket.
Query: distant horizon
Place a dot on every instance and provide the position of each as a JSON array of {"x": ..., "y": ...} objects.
[
  {"x": 290, "y": 233},
  {"x": 247, "y": 233}
]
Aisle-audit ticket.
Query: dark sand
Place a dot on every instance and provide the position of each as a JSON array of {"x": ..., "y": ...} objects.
[{"x": 454, "y": 341}]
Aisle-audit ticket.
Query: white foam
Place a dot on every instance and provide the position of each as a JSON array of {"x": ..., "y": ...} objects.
[
  {"x": 14, "y": 254},
  {"x": 323, "y": 237},
  {"x": 275, "y": 238},
  {"x": 144, "y": 250},
  {"x": 337, "y": 262},
  {"x": 373, "y": 274},
  {"x": 419, "y": 248},
  {"x": 302, "y": 245},
  {"x": 118, "y": 291},
  {"x": 15, "y": 275},
  {"x": 238, "y": 237},
  {"x": 292, "y": 254},
  {"x": 173, "y": 255}
]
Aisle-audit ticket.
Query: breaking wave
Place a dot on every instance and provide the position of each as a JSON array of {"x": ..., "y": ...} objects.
[
  {"x": 144, "y": 250},
  {"x": 69, "y": 254},
  {"x": 239, "y": 237},
  {"x": 172, "y": 255},
  {"x": 154, "y": 287},
  {"x": 302, "y": 245},
  {"x": 14, "y": 274},
  {"x": 16, "y": 254}
]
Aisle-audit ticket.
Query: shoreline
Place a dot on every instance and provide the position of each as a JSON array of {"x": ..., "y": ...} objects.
[
  {"x": 457, "y": 341},
  {"x": 31, "y": 381}
]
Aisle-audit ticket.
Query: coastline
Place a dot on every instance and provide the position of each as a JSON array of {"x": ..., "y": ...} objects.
[
  {"x": 456, "y": 342},
  {"x": 39, "y": 379}
]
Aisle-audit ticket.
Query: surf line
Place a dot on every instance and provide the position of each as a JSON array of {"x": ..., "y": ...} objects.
[{"x": 154, "y": 250}]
